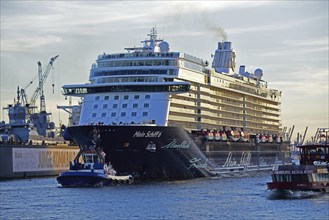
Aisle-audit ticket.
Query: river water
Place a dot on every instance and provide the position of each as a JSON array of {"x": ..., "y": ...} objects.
[{"x": 224, "y": 198}]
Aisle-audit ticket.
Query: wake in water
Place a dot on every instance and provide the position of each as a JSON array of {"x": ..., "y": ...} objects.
[{"x": 289, "y": 194}]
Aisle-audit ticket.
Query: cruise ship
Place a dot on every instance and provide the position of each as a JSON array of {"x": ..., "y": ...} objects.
[{"x": 159, "y": 114}]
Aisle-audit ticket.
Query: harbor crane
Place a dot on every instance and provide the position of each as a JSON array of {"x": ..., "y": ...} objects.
[
  {"x": 40, "y": 120},
  {"x": 22, "y": 115},
  {"x": 42, "y": 80},
  {"x": 39, "y": 90}
]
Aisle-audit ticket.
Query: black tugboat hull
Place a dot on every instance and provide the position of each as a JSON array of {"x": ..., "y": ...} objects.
[{"x": 81, "y": 179}]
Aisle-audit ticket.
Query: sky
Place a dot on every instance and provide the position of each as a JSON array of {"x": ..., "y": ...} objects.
[{"x": 288, "y": 40}]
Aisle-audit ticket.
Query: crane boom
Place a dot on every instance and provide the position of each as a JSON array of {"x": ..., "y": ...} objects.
[
  {"x": 42, "y": 97},
  {"x": 47, "y": 71},
  {"x": 42, "y": 80}
]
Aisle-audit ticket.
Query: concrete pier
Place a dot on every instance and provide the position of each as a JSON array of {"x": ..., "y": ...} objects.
[{"x": 25, "y": 161}]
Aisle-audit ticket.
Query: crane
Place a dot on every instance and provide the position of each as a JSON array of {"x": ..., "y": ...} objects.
[
  {"x": 39, "y": 120},
  {"x": 42, "y": 80},
  {"x": 23, "y": 94}
]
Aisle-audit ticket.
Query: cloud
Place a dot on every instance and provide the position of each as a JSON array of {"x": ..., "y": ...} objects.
[
  {"x": 68, "y": 17},
  {"x": 284, "y": 25},
  {"x": 35, "y": 24},
  {"x": 288, "y": 51},
  {"x": 26, "y": 43},
  {"x": 322, "y": 41},
  {"x": 304, "y": 82}
]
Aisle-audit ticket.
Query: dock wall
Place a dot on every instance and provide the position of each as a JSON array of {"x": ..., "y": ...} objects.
[{"x": 25, "y": 161}]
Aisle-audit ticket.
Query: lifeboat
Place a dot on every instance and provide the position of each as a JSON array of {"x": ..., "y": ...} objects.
[
  {"x": 244, "y": 136},
  {"x": 235, "y": 135},
  {"x": 217, "y": 136},
  {"x": 263, "y": 138},
  {"x": 223, "y": 136},
  {"x": 209, "y": 136}
]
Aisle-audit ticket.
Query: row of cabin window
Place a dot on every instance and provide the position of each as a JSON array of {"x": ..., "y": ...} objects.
[
  {"x": 125, "y": 105},
  {"x": 123, "y": 114},
  {"x": 126, "y": 97}
]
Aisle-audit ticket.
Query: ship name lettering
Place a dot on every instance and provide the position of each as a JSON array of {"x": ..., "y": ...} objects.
[
  {"x": 175, "y": 145},
  {"x": 229, "y": 161},
  {"x": 148, "y": 134},
  {"x": 297, "y": 172},
  {"x": 154, "y": 134},
  {"x": 244, "y": 160},
  {"x": 282, "y": 172},
  {"x": 139, "y": 134},
  {"x": 195, "y": 163}
]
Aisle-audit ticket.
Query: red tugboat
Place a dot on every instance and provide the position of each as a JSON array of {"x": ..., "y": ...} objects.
[{"x": 312, "y": 174}]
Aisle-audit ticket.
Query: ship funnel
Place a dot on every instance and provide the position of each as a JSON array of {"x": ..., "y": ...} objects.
[
  {"x": 242, "y": 70},
  {"x": 224, "y": 59}
]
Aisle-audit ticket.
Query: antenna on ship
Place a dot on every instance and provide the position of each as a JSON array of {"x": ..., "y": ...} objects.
[{"x": 152, "y": 44}]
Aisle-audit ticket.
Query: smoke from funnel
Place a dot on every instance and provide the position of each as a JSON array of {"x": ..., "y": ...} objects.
[
  {"x": 220, "y": 33},
  {"x": 182, "y": 14}
]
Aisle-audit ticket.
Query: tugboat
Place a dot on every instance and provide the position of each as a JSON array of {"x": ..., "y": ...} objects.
[
  {"x": 91, "y": 170},
  {"x": 312, "y": 173}
]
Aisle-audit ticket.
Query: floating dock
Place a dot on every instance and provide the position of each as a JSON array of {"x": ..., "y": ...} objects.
[{"x": 26, "y": 161}]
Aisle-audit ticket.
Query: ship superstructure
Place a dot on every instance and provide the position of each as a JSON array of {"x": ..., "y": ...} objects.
[
  {"x": 157, "y": 112},
  {"x": 151, "y": 85},
  {"x": 219, "y": 98}
]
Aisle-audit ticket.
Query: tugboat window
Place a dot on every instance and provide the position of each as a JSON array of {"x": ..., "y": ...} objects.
[{"x": 88, "y": 159}]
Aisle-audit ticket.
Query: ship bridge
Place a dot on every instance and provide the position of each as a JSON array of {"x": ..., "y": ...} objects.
[{"x": 85, "y": 89}]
